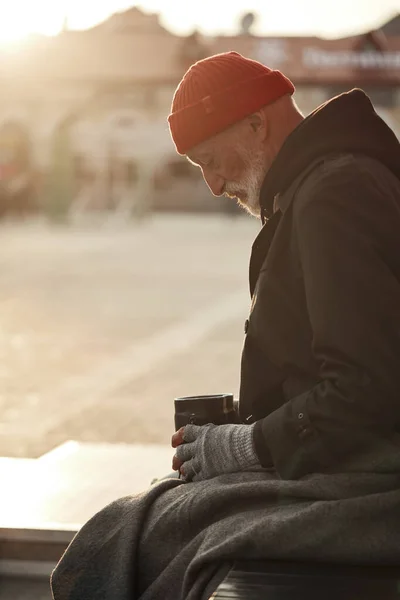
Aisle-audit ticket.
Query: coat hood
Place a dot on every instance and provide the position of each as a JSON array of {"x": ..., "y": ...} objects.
[{"x": 346, "y": 123}]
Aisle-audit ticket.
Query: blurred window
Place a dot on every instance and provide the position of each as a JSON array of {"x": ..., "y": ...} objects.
[
  {"x": 175, "y": 170},
  {"x": 182, "y": 169},
  {"x": 132, "y": 172}
]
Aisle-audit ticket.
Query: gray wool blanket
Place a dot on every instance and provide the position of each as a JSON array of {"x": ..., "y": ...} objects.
[{"x": 168, "y": 542}]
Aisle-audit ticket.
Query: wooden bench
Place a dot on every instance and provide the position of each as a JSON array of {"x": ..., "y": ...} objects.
[{"x": 284, "y": 580}]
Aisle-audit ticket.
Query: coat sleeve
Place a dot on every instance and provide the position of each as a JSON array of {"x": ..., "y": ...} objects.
[{"x": 348, "y": 236}]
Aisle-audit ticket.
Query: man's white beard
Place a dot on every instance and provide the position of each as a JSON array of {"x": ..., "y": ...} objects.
[{"x": 250, "y": 184}]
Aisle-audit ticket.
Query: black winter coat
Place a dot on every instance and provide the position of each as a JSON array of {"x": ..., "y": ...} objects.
[{"x": 321, "y": 358}]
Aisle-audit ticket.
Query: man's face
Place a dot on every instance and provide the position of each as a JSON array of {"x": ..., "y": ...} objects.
[
  {"x": 233, "y": 165},
  {"x": 247, "y": 185}
]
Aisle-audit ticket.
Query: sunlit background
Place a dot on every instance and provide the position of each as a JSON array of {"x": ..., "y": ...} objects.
[
  {"x": 332, "y": 18},
  {"x": 123, "y": 281},
  {"x": 86, "y": 88}
]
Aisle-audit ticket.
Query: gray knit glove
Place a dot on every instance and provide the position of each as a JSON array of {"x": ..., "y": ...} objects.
[{"x": 210, "y": 450}]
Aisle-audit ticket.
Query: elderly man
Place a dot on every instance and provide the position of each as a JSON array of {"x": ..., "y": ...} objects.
[
  {"x": 313, "y": 470},
  {"x": 320, "y": 374}
]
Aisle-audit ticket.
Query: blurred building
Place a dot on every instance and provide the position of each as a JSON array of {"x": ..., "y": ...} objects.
[
  {"x": 83, "y": 115},
  {"x": 322, "y": 68}
]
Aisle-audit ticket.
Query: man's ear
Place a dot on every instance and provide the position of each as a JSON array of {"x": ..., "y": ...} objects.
[{"x": 258, "y": 123}]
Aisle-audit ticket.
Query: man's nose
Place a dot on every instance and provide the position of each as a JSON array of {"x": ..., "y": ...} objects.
[{"x": 215, "y": 182}]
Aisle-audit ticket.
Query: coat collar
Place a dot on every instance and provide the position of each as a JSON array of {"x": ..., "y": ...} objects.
[{"x": 260, "y": 248}]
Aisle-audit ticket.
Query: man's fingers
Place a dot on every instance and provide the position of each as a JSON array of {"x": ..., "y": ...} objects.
[
  {"x": 184, "y": 452},
  {"x": 177, "y": 438},
  {"x": 176, "y": 463},
  {"x": 189, "y": 433}
]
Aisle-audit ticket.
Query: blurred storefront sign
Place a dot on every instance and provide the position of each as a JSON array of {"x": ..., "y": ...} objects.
[
  {"x": 316, "y": 58},
  {"x": 273, "y": 53}
]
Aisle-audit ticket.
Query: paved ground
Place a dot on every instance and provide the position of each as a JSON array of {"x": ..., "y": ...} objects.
[{"x": 103, "y": 324}]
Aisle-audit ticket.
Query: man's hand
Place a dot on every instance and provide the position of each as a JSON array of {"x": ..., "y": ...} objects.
[{"x": 206, "y": 451}]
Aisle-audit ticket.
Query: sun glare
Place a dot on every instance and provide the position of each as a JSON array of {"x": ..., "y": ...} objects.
[
  {"x": 18, "y": 21},
  {"x": 21, "y": 18},
  {"x": 12, "y": 36}
]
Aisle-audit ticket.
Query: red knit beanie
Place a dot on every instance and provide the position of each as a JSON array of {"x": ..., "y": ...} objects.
[{"x": 218, "y": 91}]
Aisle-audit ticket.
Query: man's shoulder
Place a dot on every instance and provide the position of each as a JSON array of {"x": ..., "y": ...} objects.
[
  {"x": 337, "y": 169},
  {"x": 346, "y": 177}
]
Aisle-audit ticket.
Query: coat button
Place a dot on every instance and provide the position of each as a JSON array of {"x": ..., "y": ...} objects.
[{"x": 246, "y": 325}]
